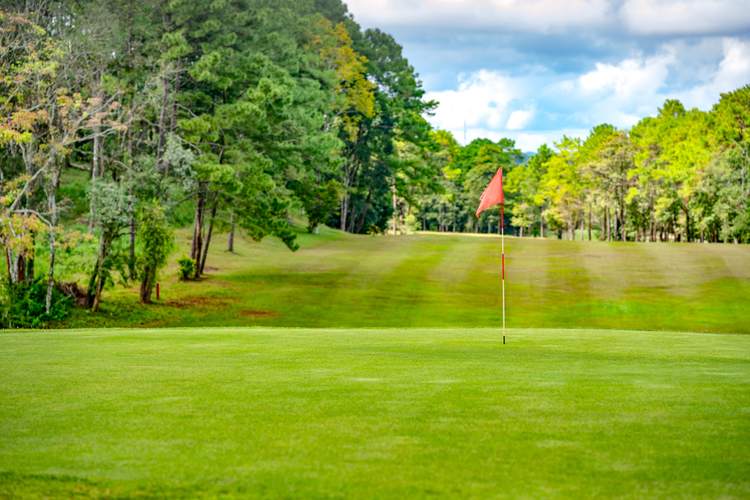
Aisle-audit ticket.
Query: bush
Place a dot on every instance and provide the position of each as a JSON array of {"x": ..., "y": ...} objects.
[
  {"x": 187, "y": 267},
  {"x": 24, "y": 305}
]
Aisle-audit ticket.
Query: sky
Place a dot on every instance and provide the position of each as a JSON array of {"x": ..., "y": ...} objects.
[{"x": 535, "y": 70}]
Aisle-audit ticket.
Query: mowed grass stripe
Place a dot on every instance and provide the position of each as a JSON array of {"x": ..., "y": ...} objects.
[
  {"x": 375, "y": 414},
  {"x": 447, "y": 280}
]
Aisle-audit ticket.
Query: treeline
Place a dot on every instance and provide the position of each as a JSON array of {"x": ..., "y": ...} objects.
[
  {"x": 244, "y": 110},
  {"x": 680, "y": 176}
]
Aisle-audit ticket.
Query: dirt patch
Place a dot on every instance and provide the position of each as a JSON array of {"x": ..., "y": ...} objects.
[
  {"x": 192, "y": 302},
  {"x": 250, "y": 313}
]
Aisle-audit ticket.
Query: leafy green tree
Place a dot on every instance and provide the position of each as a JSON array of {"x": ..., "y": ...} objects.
[{"x": 157, "y": 243}]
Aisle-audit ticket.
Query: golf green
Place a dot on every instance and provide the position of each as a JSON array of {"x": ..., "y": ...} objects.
[{"x": 355, "y": 414}]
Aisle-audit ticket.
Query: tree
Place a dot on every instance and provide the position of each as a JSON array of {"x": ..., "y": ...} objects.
[{"x": 157, "y": 243}]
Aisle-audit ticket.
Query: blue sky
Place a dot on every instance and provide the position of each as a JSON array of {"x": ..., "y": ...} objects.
[{"x": 533, "y": 70}]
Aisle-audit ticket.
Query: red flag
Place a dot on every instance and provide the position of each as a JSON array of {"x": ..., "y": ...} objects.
[{"x": 493, "y": 194}]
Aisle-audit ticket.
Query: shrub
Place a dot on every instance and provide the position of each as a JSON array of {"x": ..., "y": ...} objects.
[
  {"x": 187, "y": 267},
  {"x": 24, "y": 305}
]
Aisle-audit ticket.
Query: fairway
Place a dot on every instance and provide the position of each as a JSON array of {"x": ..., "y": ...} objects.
[
  {"x": 355, "y": 414},
  {"x": 448, "y": 280}
]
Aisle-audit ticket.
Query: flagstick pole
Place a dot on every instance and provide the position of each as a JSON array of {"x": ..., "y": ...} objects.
[{"x": 502, "y": 239}]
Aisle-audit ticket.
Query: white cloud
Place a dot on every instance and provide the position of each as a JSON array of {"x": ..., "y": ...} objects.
[
  {"x": 734, "y": 69},
  {"x": 516, "y": 15},
  {"x": 520, "y": 119},
  {"x": 732, "y": 73},
  {"x": 481, "y": 101},
  {"x": 534, "y": 104},
  {"x": 685, "y": 17},
  {"x": 635, "y": 76}
]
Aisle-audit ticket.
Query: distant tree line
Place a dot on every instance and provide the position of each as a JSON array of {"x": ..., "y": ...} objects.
[{"x": 680, "y": 176}]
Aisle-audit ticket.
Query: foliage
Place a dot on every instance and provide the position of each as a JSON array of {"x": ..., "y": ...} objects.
[
  {"x": 186, "y": 267},
  {"x": 157, "y": 243},
  {"x": 24, "y": 305}
]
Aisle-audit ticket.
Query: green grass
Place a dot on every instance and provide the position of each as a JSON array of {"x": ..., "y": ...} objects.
[
  {"x": 443, "y": 280},
  {"x": 360, "y": 414}
]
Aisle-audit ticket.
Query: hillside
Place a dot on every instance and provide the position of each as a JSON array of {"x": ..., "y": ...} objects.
[{"x": 448, "y": 280}]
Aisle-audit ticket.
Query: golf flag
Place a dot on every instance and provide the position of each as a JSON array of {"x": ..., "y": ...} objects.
[{"x": 493, "y": 194}]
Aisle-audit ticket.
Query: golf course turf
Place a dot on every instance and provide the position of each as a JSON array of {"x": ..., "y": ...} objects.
[
  {"x": 392, "y": 413},
  {"x": 338, "y": 280}
]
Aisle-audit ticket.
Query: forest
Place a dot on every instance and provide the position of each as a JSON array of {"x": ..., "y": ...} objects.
[{"x": 124, "y": 120}]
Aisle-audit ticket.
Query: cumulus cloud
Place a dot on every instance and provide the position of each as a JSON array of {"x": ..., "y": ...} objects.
[
  {"x": 539, "y": 69},
  {"x": 732, "y": 72},
  {"x": 537, "y": 107},
  {"x": 481, "y": 100},
  {"x": 633, "y": 76},
  {"x": 673, "y": 17},
  {"x": 685, "y": 17},
  {"x": 520, "y": 119},
  {"x": 535, "y": 15},
  {"x": 625, "y": 92}
]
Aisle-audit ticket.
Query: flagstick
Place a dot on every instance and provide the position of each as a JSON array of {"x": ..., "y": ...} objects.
[{"x": 502, "y": 239}]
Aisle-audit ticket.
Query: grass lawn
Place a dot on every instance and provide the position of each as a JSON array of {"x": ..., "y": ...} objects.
[
  {"x": 447, "y": 280},
  {"x": 361, "y": 414}
]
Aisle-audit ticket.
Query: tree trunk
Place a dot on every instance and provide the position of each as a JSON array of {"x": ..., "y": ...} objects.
[
  {"x": 195, "y": 245},
  {"x": 208, "y": 236},
  {"x": 50, "y": 273},
  {"x": 395, "y": 210},
  {"x": 541, "y": 224},
  {"x": 131, "y": 228},
  {"x": 173, "y": 120},
  {"x": 21, "y": 268},
  {"x": 361, "y": 220},
  {"x": 30, "y": 266},
  {"x": 163, "y": 121},
  {"x": 104, "y": 245},
  {"x": 608, "y": 222},
  {"x": 351, "y": 219},
  {"x": 147, "y": 285},
  {"x": 230, "y": 246},
  {"x": 94, "y": 175},
  {"x": 8, "y": 259},
  {"x": 131, "y": 250},
  {"x": 589, "y": 221},
  {"x": 344, "y": 211},
  {"x": 52, "y": 207},
  {"x": 583, "y": 225}
]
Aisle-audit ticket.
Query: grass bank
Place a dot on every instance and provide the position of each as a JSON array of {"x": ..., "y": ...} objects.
[
  {"x": 275, "y": 413},
  {"x": 445, "y": 280}
]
